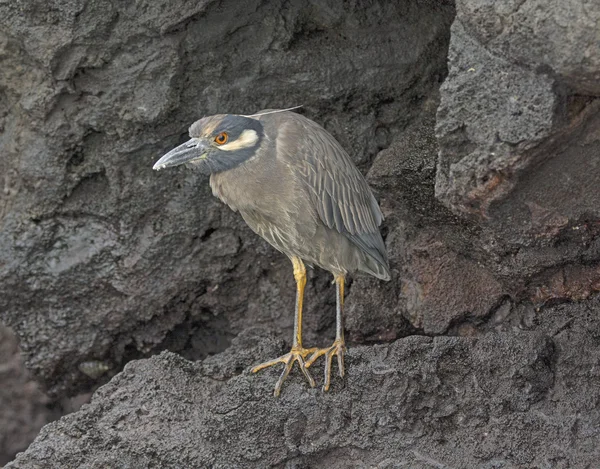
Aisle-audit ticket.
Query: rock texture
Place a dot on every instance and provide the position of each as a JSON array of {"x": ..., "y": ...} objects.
[
  {"x": 102, "y": 259},
  {"x": 489, "y": 184},
  {"x": 519, "y": 398},
  {"x": 519, "y": 134},
  {"x": 24, "y": 408}
]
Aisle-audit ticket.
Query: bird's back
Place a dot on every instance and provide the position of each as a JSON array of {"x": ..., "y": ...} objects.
[{"x": 340, "y": 198}]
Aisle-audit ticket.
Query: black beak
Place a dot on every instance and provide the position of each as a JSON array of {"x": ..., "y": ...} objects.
[{"x": 193, "y": 149}]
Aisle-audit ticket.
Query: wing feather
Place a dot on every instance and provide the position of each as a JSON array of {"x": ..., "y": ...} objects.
[{"x": 340, "y": 193}]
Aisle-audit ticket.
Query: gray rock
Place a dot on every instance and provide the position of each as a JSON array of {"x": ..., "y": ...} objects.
[
  {"x": 24, "y": 408},
  {"x": 559, "y": 38},
  {"x": 439, "y": 285},
  {"x": 103, "y": 260},
  {"x": 507, "y": 399},
  {"x": 492, "y": 220},
  {"x": 518, "y": 128}
]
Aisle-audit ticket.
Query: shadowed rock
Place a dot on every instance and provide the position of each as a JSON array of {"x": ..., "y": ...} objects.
[
  {"x": 24, "y": 408},
  {"x": 104, "y": 260}
]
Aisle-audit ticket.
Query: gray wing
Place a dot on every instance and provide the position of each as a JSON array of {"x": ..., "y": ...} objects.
[{"x": 341, "y": 195}]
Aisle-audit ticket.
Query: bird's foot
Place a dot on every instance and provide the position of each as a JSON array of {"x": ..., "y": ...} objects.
[
  {"x": 338, "y": 348},
  {"x": 297, "y": 354}
]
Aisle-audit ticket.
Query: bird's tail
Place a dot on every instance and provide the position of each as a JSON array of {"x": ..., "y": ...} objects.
[
  {"x": 375, "y": 267},
  {"x": 373, "y": 257}
]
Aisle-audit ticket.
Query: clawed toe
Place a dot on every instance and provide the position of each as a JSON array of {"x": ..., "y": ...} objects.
[
  {"x": 338, "y": 348},
  {"x": 295, "y": 355}
]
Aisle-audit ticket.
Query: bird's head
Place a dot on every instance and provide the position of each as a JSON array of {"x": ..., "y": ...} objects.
[{"x": 217, "y": 143}]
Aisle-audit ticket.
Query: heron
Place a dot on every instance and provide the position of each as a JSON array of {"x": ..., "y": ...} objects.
[{"x": 296, "y": 187}]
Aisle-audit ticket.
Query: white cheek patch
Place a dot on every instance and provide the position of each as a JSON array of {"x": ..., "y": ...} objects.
[{"x": 247, "y": 139}]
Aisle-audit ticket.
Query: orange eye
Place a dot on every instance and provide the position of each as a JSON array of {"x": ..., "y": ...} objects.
[{"x": 222, "y": 138}]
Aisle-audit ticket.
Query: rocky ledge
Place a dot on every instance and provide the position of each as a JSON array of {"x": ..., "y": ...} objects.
[{"x": 508, "y": 399}]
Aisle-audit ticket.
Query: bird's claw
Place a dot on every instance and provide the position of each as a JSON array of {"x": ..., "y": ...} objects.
[
  {"x": 337, "y": 348},
  {"x": 297, "y": 354}
]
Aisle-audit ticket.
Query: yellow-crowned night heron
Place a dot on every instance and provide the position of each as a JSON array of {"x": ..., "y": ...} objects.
[{"x": 296, "y": 187}]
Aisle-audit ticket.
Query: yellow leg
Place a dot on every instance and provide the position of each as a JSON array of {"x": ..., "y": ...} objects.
[
  {"x": 300, "y": 276},
  {"x": 338, "y": 347},
  {"x": 298, "y": 353}
]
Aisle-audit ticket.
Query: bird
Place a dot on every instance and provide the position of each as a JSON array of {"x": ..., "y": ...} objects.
[{"x": 296, "y": 187}]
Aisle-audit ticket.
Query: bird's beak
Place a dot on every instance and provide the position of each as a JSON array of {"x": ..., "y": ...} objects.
[{"x": 193, "y": 149}]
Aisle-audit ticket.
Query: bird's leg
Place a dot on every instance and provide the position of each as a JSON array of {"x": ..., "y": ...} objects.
[
  {"x": 298, "y": 353},
  {"x": 339, "y": 346}
]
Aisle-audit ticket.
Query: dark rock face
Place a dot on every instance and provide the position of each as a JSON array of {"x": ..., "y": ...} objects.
[
  {"x": 506, "y": 399},
  {"x": 103, "y": 259},
  {"x": 518, "y": 127},
  {"x": 490, "y": 188},
  {"x": 24, "y": 408}
]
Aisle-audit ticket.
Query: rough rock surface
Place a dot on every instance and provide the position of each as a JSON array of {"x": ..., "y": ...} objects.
[
  {"x": 508, "y": 399},
  {"x": 24, "y": 408},
  {"x": 102, "y": 259},
  {"x": 489, "y": 185},
  {"x": 558, "y": 38},
  {"x": 519, "y": 134}
]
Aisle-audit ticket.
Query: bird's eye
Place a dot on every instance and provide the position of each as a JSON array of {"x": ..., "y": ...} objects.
[{"x": 222, "y": 138}]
